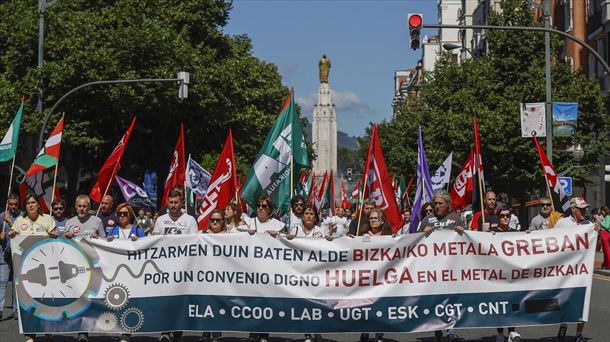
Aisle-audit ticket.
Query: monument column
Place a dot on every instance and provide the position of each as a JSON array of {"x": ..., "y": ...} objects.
[{"x": 324, "y": 127}]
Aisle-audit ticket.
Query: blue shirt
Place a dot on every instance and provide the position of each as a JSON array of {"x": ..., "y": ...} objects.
[
  {"x": 135, "y": 231},
  {"x": 4, "y": 244}
]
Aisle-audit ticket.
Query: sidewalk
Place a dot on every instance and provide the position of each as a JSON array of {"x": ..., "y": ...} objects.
[{"x": 599, "y": 258}]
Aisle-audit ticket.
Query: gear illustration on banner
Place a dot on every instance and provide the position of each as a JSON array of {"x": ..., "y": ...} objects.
[
  {"x": 106, "y": 321},
  {"x": 116, "y": 296},
  {"x": 132, "y": 319}
]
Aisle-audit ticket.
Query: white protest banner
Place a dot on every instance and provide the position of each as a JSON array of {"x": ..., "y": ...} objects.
[
  {"x": 238, "y": 282},
  {"x": 533, "y": 119}
]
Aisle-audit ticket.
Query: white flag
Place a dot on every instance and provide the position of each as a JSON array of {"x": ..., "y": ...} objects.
[
  {"x": 442, "y": 174},
  {"x": 533, "y": 120}
]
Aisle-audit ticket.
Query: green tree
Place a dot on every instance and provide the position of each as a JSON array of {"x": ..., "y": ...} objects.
[
  {"x": 127, "y": 39},
  {"x": 491, "y": 89}
]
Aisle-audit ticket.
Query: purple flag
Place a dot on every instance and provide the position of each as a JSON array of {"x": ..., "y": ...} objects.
[
  {"x": 424, "y": 184},
  {"x": 134, "y": 194}
]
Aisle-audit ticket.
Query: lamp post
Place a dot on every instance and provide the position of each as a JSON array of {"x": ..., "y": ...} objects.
[{"x": 452, "y": 46}]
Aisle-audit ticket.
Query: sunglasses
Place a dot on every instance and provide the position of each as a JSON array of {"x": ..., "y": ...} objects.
[
  {"x": 299, "y": 205},
  {"x": 428, "y": 210},
  {"x": 262, "y": 206},
  {"x": 545, "y": 204},
  {"x": 215, "y": 220},
  {"x": 58, "y": 209},
  {"x": 374, "y": 219},
  {"x": 504, "y": 215},
  {"x": 123, "y": 214}
]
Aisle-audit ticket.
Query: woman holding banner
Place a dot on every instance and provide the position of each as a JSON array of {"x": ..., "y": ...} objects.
[
  {"x": 377, "y": 227},
  {"x": 309, "y": 228},
  {"x": 33, "y": 222},
  {"x": 216, "y": 225},
  {"x": 125, "y": 229},
  {"x": 233, "y": 219}
]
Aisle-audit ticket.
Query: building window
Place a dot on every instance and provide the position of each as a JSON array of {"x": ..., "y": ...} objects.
[
  {"x": 567, "y": 6},
  {"x": 570, "y": 63}
]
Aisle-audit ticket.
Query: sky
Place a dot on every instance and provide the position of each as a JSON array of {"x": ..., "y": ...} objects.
[{"x": 366, "y": 41}]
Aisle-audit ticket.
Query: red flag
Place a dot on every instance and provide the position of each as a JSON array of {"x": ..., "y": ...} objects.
[
  {"x": 378, "y": 186},
  {"x": 406, "y": 194},
  {"x": 344, "y": 200},
  {"x": 312, "y": 190},
  {"x": 331, "y": 196},
  {"x": 559, "y": 197},
  {"x": 223, "y": 184},
  {"x": 461, "y": 191},
  {"x": 177, "y": 168},
  {"x": 317, "y": 201},
  {"x": 111, "y": 166}
]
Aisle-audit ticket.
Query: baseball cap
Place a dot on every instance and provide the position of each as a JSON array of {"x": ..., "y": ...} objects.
[{"x": 579, "y": 202}]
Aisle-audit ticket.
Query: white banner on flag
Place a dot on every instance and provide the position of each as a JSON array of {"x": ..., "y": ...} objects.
[{"x": 443, "y": 174}]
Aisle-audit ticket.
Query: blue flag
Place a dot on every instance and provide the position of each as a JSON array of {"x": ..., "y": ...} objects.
[
  {"x": 423, "y": 193},
  {"x": 565, "y": 119}
]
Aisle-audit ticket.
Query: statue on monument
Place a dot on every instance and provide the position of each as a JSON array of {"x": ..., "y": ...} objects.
[{"x": 324, "y": 69}]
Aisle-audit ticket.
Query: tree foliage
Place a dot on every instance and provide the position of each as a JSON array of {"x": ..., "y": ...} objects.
[
  {"x": 491, "y": 90},
  {"x": 90, "y": 40}
]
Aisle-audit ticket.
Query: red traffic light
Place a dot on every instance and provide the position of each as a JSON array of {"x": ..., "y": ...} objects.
[{"x": 415, "y": 20}]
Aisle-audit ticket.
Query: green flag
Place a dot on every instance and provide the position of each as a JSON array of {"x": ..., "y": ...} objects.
[
  {"x": 270, "y": 174},
  {"x": 8, "y": 145}
]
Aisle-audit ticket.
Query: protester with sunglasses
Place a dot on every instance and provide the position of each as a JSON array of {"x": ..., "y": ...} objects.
[
  {"x": 377, "y": 227},
  {"x": 58, "y": 209},
  {"x": 541, "y": 221},
  {"x": 125, "y": 229},
  {"x": 263, "y": 222},
  {"x": 504, "y": 215},
  {"x": 294, "y": 220}
]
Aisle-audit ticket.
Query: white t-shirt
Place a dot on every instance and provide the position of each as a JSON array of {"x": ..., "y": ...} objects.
[
  {"x": 124, "y": 233},
  {"x": 569, "y": 222},
  {"x": 340, "y": 226},
  {"x": 270, "y": 224},
  {"x": 325, "y": 223},
  {"x": 317, "y": 231},
  {"x": 185, "y": 224}
]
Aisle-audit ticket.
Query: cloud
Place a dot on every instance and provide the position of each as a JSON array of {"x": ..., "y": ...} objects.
[
  {"x": 346, "y": 101},
  {"x": 290, "y": 72}
]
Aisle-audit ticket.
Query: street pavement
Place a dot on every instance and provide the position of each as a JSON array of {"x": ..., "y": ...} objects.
[{"x": 597, "y": 329}]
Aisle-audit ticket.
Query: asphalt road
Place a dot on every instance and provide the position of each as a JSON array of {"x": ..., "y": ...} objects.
[{"x": 598, "y": 328}]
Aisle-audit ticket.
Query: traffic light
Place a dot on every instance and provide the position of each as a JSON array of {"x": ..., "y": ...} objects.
[
  {"x": 349, "y": 174},
  {"x": 183, "y": 83},
  {"x": 607, "y": 175},
  {"x": 415, "y": 21}
]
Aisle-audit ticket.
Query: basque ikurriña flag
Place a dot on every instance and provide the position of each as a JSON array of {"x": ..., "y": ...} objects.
[
  {"x": 423, "y": 193},
  {"x": 111, "y": 166},
  {"x": 284, "y": 152},
  {"x": 223, "y": 185},
  {"x": 378, "y": 184},
  {"x": 49, "y": 155}
]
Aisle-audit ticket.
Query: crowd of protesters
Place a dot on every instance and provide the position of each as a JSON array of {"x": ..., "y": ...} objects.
[{"x": 118, "y": 222}]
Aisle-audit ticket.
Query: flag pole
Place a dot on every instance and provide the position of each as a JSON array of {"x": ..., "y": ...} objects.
[
  {"x": 361, "y": 205},
  {"x": 481, "y": 193},
  {"x": 10, "y": 182},
  {"x": 107, "y": 187},
  {"x": 54, "y": 183}
]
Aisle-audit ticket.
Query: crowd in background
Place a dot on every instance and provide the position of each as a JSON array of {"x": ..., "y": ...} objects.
[{"x": 119, "y": 222}]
